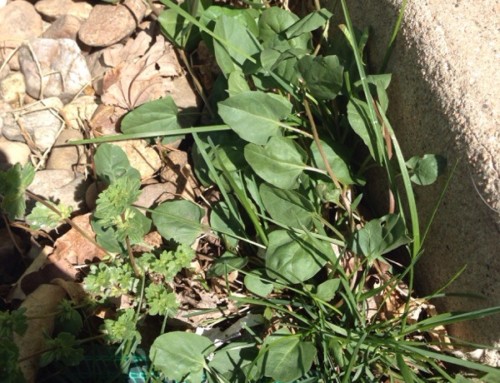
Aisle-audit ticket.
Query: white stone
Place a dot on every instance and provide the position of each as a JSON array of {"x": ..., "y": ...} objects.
[
  {"x": 13, "y": 88},
  {"x": 65, "y": 72},
  {"x": 63, "y": 186},
  {"x": 53, "y": 9},
  {"x": 444, "y": 98},
  {"x": 12, "y": 153},
  {"x": 78, "y": 111},
  {"x": 38, "y": 122}
]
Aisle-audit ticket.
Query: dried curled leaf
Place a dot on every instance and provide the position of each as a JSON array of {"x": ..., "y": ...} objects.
[{"x": 140, "y": 72}]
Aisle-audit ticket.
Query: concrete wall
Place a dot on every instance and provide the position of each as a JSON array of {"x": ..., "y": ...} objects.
[{"x": 444, "y": 99}]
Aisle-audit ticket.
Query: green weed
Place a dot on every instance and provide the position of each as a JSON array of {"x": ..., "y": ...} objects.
[{"x": 293, "y": 134}]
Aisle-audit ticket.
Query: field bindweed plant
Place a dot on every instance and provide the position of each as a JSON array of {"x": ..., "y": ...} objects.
[{"x": 295, "y": 125}]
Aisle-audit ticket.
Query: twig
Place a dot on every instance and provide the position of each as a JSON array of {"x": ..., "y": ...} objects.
[{"x": 324, "y": 157}]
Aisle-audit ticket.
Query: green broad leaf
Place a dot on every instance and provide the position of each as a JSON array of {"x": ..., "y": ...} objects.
[
  {"x": 282, "y": 63},
  {"x": 326, "y": 291},
  {"x": 223, "y": 221},
  {"x": 178, "y": 220},
  {"x": 255, "y": 116},
  {"x": 426, "y": 169},
  {"x": 238, "y": 46},
  {"x": 237, "y": 83},
  {"x": 273, "y": 22},
  {"x": 175, "y": 27},
  {"x": 69, "y": 320},
  {"x": 358, "y": 117},
  {"x": 255, "y": 284},
  {"x": 233, "y": 360},
  {"x": 245, "y": 17},
  {"x": 154, "y": 116},
  {"x": 287, "y": 207},
  {"x": 107, "y": 237},
  {"x": 293, "y": 258},
  {"x": 180, "y": 355},
  {"x": 328, "y": 192},
  {"x": 379, "y": 83},
  {"x": 288, "y": 358},
  {"x": 336, "y": 161},
  {"x": 44, "y": 218},
  {"x": 111, "y": 163},
  {"x": 226, "y": 263},
  {"x": 379, "y": 236},
  {"x": 280, "y": 162},
  {"x": 13, "y": 184},
  {"x": 179, "y": 30},
  {"x": 309, "y": 23},
  {"x": 323, "y": 76}
]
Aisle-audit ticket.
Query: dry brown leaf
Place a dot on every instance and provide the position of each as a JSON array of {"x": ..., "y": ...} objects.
[
  {"x": 139, "y": 75},
  {"x": 141, "y": 156},
  {"x": 74, "y": 290},
  {"x": 39, "y": 305},
  {"x": 178, "y": 172},
  {"x": 74, "y": 248},
  {"x": 40, "y": 260}
]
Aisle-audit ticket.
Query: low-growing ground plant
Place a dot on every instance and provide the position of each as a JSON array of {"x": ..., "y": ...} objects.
[{"x": 292, "y": 126}]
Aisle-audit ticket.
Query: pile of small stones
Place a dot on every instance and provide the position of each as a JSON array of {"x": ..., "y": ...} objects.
[{"x": 57, "y": 58}]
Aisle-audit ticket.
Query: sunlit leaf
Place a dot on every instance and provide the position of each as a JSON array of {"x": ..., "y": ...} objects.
[
  {"x": 155, "y": 116},
  {"x": 426, "y": 169},
  {"x": 323, "y": 76},
  {"x": 287, "y": 207},
  {"x": 309, "y": 23},
  {"x": 178, "y": 220},
  {"x": 254, "y": 283},
  {"x": 379, "y": 236},
  {"x": 255, "y": 116},
  {"x": 280, "y": 162},
  {"x": 292, "y": 258},
  {"x": 287, "y": 357},
  {"x": 180, "y": 355},
  {"x": 111, "y": 163}
]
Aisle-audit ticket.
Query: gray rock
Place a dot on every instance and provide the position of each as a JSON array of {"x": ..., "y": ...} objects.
[
  {"x": 98, "y": 67},
  {"x": 53, "y": 9},
  {"x": 156, "y": 193},
  {"x": 64, "y": 69},
  {"x": 12, "y": 153},
  {"x": 64, "y": 186},
  {"x": 19, "y": 21},
  {"x": 13, "y": 88},
  {"x": 65, "y": 27},
  {"x": 37, "y": 124},
  {"x": 445, "y": 98},
  {"x": 78, "y": 111},
  {"x": 5, "y": 109},
  {"x": 65, "y": 157},
  {"x": 109, "y": 24}
]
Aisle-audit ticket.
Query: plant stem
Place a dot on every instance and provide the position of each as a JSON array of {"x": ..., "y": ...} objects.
[
  {"x": 324, "y": 157},
  {"x": 130, "y": 253},
  {"x": 66, "y": 220}
]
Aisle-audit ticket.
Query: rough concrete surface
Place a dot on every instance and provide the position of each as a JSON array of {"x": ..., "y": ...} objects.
[{"x": 444, "y": 98}]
